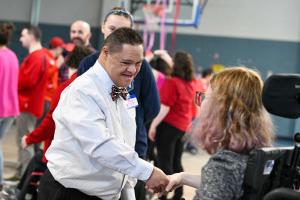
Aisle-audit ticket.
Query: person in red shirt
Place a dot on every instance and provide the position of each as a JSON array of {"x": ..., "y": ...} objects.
[
  {"x": 56, "y": 48},
  {"x": 31, "y": 90},
  {"x": 167, "y": 129},
  {"x": 54, "y": 55}
]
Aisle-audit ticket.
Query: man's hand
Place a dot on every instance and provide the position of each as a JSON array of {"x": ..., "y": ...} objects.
[{"x": 157, "y": 181}]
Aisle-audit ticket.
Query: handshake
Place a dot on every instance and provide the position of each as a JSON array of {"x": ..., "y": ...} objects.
[{"x": 160, "y": 183}]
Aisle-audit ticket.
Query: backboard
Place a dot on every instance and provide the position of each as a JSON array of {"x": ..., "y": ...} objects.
[{"x": 189, "y": 11}]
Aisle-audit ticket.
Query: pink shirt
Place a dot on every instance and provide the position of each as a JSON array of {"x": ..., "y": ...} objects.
[
  {"x": 160, "y": 80},
  {"x": 9, "y": 71}
]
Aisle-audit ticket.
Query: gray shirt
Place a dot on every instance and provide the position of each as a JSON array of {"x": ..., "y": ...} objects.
[{"x": 222, "y": 176}]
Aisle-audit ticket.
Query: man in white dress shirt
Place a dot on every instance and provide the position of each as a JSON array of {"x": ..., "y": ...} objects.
[{"x": 92, "y": 154}]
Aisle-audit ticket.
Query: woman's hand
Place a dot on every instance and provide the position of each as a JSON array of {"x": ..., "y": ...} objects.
[{"x": 175, "y": 181}]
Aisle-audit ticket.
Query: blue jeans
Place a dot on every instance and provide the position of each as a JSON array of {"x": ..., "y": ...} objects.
[
  {"x": 26, "y": 123},
  {"x": 5, "y": 124}
]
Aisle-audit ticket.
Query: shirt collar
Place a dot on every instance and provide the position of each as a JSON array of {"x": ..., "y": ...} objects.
[{"x": 103, "y": 76}]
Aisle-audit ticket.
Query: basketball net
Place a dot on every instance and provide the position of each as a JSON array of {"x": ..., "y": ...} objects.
[{"x": 153, "y": 14}]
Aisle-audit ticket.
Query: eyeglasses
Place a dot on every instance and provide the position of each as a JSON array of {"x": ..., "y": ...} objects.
[{"x": 200, "y": 96}]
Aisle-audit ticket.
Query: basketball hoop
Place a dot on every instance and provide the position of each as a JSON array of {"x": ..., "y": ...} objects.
[{"x": 154, "y": 13}]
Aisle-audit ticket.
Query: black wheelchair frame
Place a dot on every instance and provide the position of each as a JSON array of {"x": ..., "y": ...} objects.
[{"x": 274, "y": 173}]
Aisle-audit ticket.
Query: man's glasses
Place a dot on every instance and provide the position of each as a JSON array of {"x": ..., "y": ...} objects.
[{"x": 200, "y": 96}]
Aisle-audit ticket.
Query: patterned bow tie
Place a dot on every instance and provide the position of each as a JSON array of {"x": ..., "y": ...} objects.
[{"x": 116, "y": 92}]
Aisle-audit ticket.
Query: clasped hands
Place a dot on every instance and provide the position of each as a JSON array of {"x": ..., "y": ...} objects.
[{"x": 160, "y": 183}]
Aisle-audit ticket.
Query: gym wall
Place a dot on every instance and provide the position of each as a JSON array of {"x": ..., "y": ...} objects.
[{"x": 264, "y": 35}]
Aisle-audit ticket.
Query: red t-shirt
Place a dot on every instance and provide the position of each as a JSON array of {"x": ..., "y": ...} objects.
[
  {"x": 52, "y": 82},
  {"x": 179, "y": 95},
  {"x": 33, "y": 82},
  {"x": 45, "y": 131}
]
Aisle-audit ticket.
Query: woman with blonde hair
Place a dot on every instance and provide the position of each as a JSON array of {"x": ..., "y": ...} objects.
[{"x": 232, "y": 122}]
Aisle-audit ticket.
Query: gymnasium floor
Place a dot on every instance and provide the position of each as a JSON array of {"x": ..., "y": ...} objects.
[{"x": 192, "y": 163}]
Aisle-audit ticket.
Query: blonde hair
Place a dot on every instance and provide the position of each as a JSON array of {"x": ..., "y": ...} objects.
[{"x": 234, "y": 118}]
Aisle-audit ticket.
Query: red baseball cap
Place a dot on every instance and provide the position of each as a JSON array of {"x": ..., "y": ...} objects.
[{"x": 56, "y": 42}]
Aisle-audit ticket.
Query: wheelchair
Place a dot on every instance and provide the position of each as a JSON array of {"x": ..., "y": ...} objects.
[{"x": 274, "y": 173}]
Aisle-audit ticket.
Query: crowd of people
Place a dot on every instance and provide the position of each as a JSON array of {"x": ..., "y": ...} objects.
[{"x": 101, "y": 113}]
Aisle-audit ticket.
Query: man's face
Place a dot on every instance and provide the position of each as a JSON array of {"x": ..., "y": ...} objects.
[
  {"x": 79, "y": 31},
  {"x": 123, "y": 66},
  {"x": 114, "y": 22},
  {"x": 26, "y": 38}
]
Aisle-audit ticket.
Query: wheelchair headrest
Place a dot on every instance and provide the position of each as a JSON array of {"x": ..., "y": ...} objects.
[{"x": 281, "y": 95}]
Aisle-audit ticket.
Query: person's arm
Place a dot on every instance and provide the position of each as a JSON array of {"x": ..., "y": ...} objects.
[
  {"x": 149, "y": 93},
  {"x": 44, "y": 131},
  {"x": 183, "y": 178},
  {"x": 168, "y": 97},
  {"x": 165, "y": 56},
  {"x": 164, "y": 110},
  {"x": 47, "y": 127}
]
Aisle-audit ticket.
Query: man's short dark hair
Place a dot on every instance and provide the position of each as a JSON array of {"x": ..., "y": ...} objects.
[
  {"x": 35, "y": 31},
  {"x": 122, "y": 36}
]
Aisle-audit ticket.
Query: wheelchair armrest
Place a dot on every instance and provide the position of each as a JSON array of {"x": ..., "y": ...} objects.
[{"x": 282, "y": 194}]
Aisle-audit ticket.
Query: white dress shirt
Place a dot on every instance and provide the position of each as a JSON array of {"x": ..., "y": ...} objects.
[{"x": 93, "y": 145}]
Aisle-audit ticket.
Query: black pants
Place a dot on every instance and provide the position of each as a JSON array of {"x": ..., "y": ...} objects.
[
  {"x": 31, "y": 177},
  {"x": 50, "y": 189},
  {"x": 169, "y": 152},
  {"x": 151, "y": 156},
  {"x": 140, "y": 190}
]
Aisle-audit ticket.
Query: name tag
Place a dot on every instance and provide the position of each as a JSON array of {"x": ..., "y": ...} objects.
[{"x": 131, "y": 102}]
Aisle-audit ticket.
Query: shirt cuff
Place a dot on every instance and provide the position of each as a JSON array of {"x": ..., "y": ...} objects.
[{"x": 144, "y": 170}]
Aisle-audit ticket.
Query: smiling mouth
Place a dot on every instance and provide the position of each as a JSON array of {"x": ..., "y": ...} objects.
[{"x": 128, "y": 76}]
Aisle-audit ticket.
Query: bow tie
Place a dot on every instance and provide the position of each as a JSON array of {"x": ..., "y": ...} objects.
[{"x": 116, "y": 92}]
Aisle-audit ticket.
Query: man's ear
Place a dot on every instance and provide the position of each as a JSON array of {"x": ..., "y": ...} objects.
[
  {"x": 105, "y": 51},
  {"x": 102, "y": 28}
]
